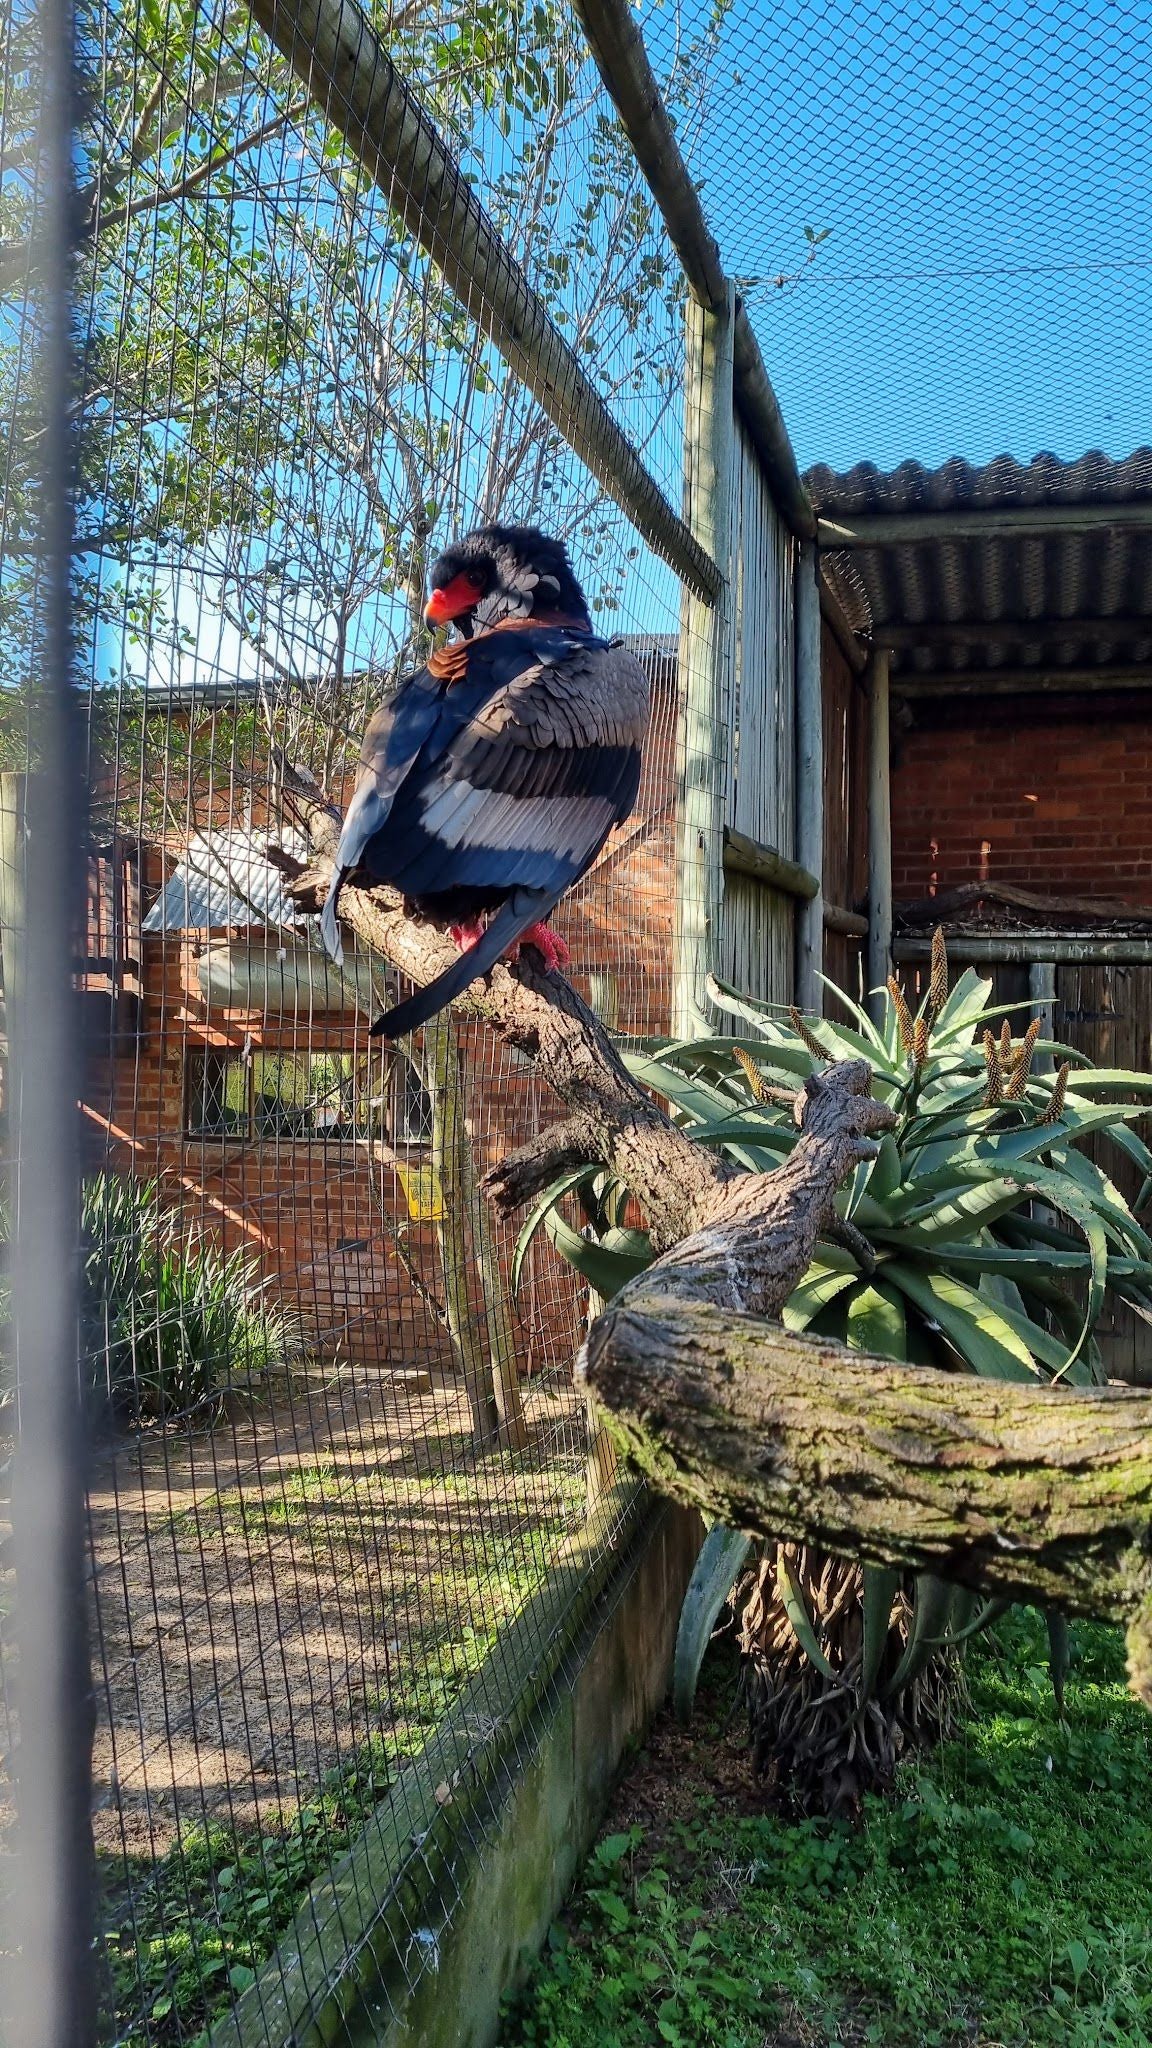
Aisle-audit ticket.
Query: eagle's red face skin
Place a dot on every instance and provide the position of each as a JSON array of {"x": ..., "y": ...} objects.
[{"x": 463, "y": 594}]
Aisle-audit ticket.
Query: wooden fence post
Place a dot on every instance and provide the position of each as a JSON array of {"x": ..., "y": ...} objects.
[
  {"x": 809, "y": 782},
  {"x": 706, "y": 662},
  {"x": 879, "y": 832}
]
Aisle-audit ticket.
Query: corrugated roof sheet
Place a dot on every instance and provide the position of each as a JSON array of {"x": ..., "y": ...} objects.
[
  {"x": 225, "y": 879},
  {"x": 1045, "y": 597}
]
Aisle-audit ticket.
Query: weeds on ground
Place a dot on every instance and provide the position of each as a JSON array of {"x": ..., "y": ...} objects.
[{"x": 1002, "y": 1899}]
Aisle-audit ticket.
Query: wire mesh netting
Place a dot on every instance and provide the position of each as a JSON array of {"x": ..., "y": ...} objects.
[
  {"x": 337, "y": 1448},
  {"x": 940, "y": 219},
  {"x": 336, "y": 1451}
]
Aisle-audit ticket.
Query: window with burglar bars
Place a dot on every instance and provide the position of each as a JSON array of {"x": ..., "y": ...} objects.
[{"x": 324, "y": 1096}]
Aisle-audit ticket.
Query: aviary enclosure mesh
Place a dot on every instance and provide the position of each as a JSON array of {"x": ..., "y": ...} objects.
[{"x": 335, "y": 1454}]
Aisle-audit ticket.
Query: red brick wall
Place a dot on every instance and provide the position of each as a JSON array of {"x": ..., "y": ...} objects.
[
  {"x": 1054, "y": 798},
  {"x": 323, "y": 1217}
]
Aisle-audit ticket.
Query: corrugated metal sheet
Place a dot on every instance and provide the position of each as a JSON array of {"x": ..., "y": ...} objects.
[
  {"x": 225, "y": 879},
  {"x": 1065, "y": 586}
]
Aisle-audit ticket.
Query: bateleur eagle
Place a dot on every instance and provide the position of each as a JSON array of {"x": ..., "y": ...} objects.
[{"x": 491, "y": 780}]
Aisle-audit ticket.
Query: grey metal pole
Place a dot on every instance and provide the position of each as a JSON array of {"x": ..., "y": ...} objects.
[
  {"x": 809, "y": 781},
  {"x": 879, "y": 830},
  {"x": 52, "y": 2002}
]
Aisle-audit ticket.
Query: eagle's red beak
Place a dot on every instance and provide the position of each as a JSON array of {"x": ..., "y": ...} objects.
[{"x": 461, "y": 595}]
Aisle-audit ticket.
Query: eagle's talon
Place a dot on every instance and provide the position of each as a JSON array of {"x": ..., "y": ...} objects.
[{"x": 552, "y": 949}]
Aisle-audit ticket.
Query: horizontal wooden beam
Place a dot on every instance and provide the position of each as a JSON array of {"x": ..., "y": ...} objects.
[
  {"x": 846, "y": 922},
  {"x": 333, "y": 47},
  {"x": 1006, "y": 947},
  {"x": 1008, "y": 632},
  {"x": 745, "y": 856},
  {"x": 1005, "y": 682},
  {"x": 882, "y": 529},
  {"x": 622, "y": 61}
]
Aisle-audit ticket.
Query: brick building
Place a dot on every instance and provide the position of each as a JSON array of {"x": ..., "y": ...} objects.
[{"x": 229, "y": 1062}]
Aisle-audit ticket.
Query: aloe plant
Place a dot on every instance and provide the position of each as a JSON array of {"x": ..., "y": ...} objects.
[
  {"x": 986, "y": 1238},
  {"x": 169, "y": 1318}
]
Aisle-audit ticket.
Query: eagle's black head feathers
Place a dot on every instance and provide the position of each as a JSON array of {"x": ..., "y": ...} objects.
[{"x": 504, "y": 572}]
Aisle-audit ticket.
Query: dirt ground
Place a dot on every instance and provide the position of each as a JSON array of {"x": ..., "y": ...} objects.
[{"x": 308, "y": 1575}]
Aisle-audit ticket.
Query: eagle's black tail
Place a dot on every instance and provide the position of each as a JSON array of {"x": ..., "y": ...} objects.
[{"x": 523, "y": 908}]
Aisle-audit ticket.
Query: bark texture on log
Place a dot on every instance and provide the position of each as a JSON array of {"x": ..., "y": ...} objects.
[
  {"x": 1035, "y": 1493},
  {"x": 1042, "y": 1493}
]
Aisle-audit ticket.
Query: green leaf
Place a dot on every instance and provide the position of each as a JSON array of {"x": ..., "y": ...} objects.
[
  {"x": 1059, "y": 1653},
  {"x": 721, "y": 1560},
  {"x": 560, "y": 1187},
  {"x": 886, "y": 1172},
  {"x": 881, "y": 1585},
  {"x": 876, "y": 1321},
  {"x": 606, "y": 1267},
  {"x": 820, "y": 1285},
  {"x": 931, "y": 1609},
  {"x": 986, "y": 1613},
  {"x": 792, "y": 1600},
  {"x": 980, "y": 1332},
  {"x": 963, "y": 1007}
]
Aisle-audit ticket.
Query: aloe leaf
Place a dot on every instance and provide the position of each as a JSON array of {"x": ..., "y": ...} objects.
[
  {"x": 742, "y": 1129},
  {"x": 963, "y": 1006},
  {"x": 722, "y": 1558},
  {"x": 606, "y": 1267},
  {"x": 876, "y": 1321},
  {"x": 1010, "y": 1262},
  {"x": 1134, "y": 1148},
  {"x": 820, "y": 1285},
  {"x": 980, "y": 1332},
  {"x": 1089, "y": 1076},
  {"x": 881, "y": 1585},
  {"x": 1059, "y": 1654},
  {"x": 565, "y": 1184},
  {"x": 931, "y": 1608},
  {"x": 986, "y": 1613},
  {"x": 792, "y": 1600},
  {"x": 869, "y": 1035},
  {"x": 886, "y": 1172}
]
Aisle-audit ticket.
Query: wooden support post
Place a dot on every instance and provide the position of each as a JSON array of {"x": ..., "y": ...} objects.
[
  {"x": 879, "y": 830},
  {"x": 809, "y": 782},
  {"x": 1042, "y": 994},
  {"x": 706, "y": 656},
  {"x": 452, "y": 1165},
  {"x": 13, "y": 914}
]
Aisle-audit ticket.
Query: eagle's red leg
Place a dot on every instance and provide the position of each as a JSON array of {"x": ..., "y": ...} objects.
[
  {"x": 551, "y": 947},
  {"x": 468, "y": 934}
]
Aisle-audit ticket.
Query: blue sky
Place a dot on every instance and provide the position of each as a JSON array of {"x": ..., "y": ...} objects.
[
  {"x": 986, "y": 284},
  {"x": 986, "y": 172}
]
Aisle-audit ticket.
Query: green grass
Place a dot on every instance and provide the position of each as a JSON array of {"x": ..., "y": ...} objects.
[{"x": 1004, "y": 1898}]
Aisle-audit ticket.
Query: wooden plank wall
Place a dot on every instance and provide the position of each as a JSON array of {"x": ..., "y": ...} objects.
[
  {"x": 757, "y": 940},
  {"x": 845, "y": 697},
  {"x": 1105, "y": 1013}
]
